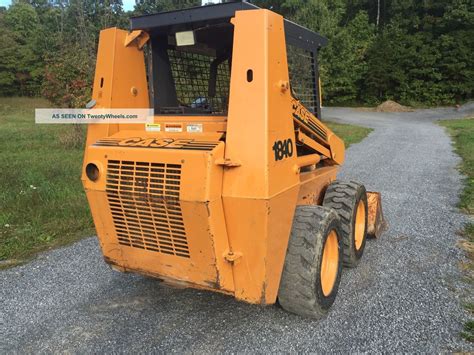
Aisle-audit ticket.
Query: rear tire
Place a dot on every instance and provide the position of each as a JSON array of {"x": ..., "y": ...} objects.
[
  {"x": 313, "y": 263},
  {"x": 349, "y": 200}
]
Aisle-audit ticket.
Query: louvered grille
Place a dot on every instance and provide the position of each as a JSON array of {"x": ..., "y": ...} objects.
[{"x": 144, "y": 200}]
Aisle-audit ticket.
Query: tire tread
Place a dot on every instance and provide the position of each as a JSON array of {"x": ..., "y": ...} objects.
[
  {"x": 342, "y": 197},
  {"x": 297, "y": 292}
]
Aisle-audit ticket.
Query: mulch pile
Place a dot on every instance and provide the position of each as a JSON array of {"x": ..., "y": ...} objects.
[{"x": 392, "y": 106}]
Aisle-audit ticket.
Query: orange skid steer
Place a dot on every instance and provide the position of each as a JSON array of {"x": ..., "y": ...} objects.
[{"x": 232, "y": 186}]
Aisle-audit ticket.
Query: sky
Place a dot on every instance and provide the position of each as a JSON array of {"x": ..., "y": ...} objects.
[{"x": 127, "y": 4}]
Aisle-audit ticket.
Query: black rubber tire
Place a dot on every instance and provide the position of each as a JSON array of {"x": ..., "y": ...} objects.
[
  {"x": 300, "y": 289},
  {"x": 344, "y": 197}
]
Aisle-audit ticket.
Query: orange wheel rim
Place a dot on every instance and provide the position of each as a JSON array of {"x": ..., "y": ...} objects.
[
  {"x": 330, "y": 263},
  {"x": 359, "y": 227}
]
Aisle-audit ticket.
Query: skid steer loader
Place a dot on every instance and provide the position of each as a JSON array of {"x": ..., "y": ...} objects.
[{"x": 232, "y": 187}]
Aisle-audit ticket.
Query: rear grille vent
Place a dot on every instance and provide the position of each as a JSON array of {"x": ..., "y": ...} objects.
[{"x": 144, "y": 200}]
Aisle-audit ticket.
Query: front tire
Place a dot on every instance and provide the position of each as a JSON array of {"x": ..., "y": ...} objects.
[
  {"x": 313, "y": 263},
  {"x": 349, "y": 200}
]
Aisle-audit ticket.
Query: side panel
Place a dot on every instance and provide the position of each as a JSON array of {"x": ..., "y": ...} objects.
[
  {"x": 314, "y": 184},
  {"x": 259, "y": 195},
  {"x": 119, "y": 80}
]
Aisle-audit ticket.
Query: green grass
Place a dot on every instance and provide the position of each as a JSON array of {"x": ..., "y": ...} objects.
[
  {"x": 349, "y": 133},
  {"x": 462, "y": 132},
  {"x": 42, "y": 201},
  {"x": 468, "y": 332}
]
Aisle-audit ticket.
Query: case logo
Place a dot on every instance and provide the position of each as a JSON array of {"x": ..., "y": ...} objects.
[{"x": 161, "y": 143}]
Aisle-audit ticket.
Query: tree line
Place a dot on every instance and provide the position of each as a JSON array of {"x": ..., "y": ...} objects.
[{"x": 412, "y": 51}]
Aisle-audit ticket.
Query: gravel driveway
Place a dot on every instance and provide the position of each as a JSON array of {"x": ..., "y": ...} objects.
[{"x": 404, "y": 296}]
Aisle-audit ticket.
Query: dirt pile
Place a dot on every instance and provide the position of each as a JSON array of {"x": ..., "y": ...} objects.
[{"x": 392, "y": 106}]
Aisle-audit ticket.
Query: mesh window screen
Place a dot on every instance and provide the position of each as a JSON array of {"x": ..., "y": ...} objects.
[
  {"x": 302, "y": 76},
  {"x": 197, "y": 86}
]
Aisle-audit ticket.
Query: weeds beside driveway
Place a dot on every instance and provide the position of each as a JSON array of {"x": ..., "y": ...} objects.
[
  {"x": 462, "y": 132},
  {"x": 42, "y": 201}
]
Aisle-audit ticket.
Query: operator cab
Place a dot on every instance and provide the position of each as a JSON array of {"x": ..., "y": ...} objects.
[{"x": 191, "y": 60}]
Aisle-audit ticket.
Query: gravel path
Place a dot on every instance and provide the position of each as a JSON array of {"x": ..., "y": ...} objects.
[{"x": 404, "y": 296}]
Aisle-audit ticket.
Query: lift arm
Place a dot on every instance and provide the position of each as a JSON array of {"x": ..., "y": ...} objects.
[{"x": 315, "y": 136}]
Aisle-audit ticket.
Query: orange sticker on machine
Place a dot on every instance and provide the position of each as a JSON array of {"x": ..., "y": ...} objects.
[{"x": 173, "y": 127}]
